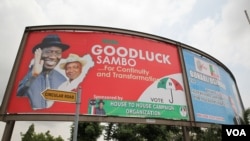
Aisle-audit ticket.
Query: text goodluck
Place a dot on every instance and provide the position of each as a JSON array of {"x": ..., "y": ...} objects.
[{"x": 126, "y": 56}]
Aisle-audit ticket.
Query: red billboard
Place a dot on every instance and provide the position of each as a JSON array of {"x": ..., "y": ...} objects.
[{"x": 128, "y": 75}]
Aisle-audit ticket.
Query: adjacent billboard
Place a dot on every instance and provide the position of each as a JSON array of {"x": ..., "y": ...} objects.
[
  {"x": 213, "y": 91},
  {"x": 119, "y": 74}
]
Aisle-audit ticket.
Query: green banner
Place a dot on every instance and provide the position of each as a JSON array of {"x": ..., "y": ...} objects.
[{"x": 138, "y": 109}]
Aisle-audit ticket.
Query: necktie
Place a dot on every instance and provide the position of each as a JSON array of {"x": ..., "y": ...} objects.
[
  {"x": 47, "y": 83},
  {"x": 49, "y": 103}
]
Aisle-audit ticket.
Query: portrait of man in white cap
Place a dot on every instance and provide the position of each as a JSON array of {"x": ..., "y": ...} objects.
[{"x": 73, "y": 67}]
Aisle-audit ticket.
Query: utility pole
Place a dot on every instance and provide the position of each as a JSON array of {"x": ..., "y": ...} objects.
[
  {"x": 247, "y": 16},
  {"x": 78, "y": 104}
]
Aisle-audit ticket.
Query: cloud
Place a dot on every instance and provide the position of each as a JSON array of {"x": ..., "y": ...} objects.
[
  {"x": 227, "y": 39},
  {"x": 16, "y": 15},
  {"x": 229, "y": 34},
  {"x": 131, "y": 14},
  {"x": 217, "y": 28}
]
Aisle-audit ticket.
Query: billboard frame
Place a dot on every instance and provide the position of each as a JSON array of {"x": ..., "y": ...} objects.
[{"x": 11, "y": 118}]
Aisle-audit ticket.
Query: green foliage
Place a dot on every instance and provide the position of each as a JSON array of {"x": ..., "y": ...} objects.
[
  {"x": 87, "y": 131},
  {"x": 141, "y": 132},
  {"x": 126, "y": 132},
  {"x": 246, "y": 116},
  {"x": 109, "y": 131},
  {"x": 212, "y": 133},
  {"x": 30, "y": 135},
  {"x": 159, "y": 132},
  {"x": 151, "y": 132}
]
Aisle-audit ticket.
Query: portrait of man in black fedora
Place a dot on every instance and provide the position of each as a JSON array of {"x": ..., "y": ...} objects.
[{"x": 41, "y": 74}]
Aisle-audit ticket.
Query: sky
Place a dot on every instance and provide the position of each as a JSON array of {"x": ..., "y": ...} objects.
[{"x": 217, "y": 27}]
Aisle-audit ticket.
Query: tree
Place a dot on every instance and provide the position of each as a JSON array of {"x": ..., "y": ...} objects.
[
  {"x": 212, "y": 133},
  {"x": 126, "y": 132},
  {"x": 87, "y": 131},
  {"x": 109, "y": 131},
  {"x": 141, "y": 132},
  {"x": 246, "y": 116},
  {"x": 30, "y": 135},
  {"x": 153, "y": 132}
]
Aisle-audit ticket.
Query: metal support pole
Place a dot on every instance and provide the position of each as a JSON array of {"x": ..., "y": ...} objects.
[
  {"x": 8, "y": 130},
  {"x": 78, "y": 103},
  {"x": 185, "y": 133}
]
